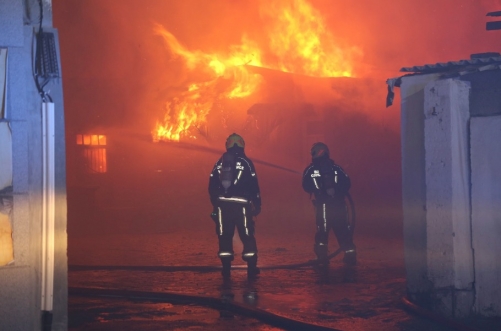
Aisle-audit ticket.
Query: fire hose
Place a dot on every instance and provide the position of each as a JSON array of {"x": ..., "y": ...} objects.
[
  {"x": 211, "y": 302},
  {"x": 216, "y": 303},
  {"x": 195, "y": 268},
  {"x": 207, "y": 301},
  {"x": 223, "y": 304},
  {"x": 351, "y": 223},
  {"x": 227, "y": 305}
]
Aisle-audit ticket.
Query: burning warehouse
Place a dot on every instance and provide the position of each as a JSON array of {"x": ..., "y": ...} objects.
[
  {"x": 281, "y": 93},
  {"x": 151, "y": 91}
]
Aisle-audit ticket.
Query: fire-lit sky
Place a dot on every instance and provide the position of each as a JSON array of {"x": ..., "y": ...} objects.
[{"x": 117, "y": 53}]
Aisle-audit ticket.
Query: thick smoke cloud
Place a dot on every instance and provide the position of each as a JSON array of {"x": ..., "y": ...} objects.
[
  {"x": 117, "y": 64},
  {"x": 394, "y": 34},
  {"x": 118, "y": 72}
]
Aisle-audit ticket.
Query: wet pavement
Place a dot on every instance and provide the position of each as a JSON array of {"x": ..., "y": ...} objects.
[
  {"x": 365, "y": 297},
  {"x": 160, "y": 217}
]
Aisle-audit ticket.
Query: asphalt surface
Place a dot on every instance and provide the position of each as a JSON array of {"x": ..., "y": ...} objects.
[
  {"x": 365, "y": 297},
  {"x": 155, "y": 212}
]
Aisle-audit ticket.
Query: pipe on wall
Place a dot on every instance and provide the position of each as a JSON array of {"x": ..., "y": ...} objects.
[{"x": 48, "y": 213}]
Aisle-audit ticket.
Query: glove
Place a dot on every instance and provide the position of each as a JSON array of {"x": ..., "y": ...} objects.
[{"x": 256, "y": 211}]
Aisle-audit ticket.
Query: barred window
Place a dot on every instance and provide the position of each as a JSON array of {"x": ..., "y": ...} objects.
[
  {"x": 91, "y": 139},
  {"x": 93, "y": 152}
]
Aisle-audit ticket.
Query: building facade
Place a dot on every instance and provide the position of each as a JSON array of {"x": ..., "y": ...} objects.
[
  {"x": 450, "y": 128},
  {"x": 33, "y": 240}
]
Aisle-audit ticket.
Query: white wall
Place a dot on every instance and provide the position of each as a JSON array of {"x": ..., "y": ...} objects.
[
  {"x": 414, "y": 184},
  {"x": 486, "y": 212},
  {"x": 5, "y": 156},
  {"x": 20, "y": 281},
  {"x": 435, "y": 181},
  {"x": 449, "y": 252},
  {"x": 452, "y": 192}
]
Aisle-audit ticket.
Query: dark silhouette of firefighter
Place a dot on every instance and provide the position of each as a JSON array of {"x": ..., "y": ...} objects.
[
  {"x": 235, "y": 197},
  {"x": 330, "y": 185}
]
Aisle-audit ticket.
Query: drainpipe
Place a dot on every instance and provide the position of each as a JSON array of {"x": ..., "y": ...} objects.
[{"x": 48, "y": 214}]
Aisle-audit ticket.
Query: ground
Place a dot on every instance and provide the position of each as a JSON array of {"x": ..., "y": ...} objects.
[
  {"x": 365, "y": 297},
  {"x": 156, "y": 212}
]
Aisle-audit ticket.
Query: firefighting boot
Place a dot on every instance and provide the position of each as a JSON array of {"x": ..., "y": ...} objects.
[
  {"x": 350, "y": 257},
  {"x": 321, "y": 253},
  {"x": 226, "y": 272},
  {"x": 252, "y": 269}
]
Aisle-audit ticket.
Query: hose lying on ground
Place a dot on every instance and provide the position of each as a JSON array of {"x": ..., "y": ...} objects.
[
  {"x": 220, "y": 304},
  {"x": 216, "y": 268},
  {"x": 262, "y": 315},
  {"x": 195, "y": 268},
  {"x": 241, "y": 309}
]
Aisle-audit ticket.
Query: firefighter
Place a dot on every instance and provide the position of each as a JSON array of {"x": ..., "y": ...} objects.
[
  {"x": 329, "y": 184},
  {"x": 235, "y": 197}
]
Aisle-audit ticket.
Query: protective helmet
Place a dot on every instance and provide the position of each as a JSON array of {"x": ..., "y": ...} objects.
[
  {"x": 318, "y": 150},
  {"x": 235, "y": 139}
]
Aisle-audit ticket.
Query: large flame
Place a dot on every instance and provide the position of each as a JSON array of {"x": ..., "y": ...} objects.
[
  {"x": 301, "y": 42},
  {"x": 298, "y": 43},
  {"x": 223, "y": 76}
]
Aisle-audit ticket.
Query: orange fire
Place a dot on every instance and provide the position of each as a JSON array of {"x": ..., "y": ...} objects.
[
  {"x": 299, "y": 42},
  {"x": 191, "y": 107}
]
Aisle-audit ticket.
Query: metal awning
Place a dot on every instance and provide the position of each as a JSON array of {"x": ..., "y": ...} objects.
[
  {"x": 476, "y": 60},
  {"x": 476, "y": 63}
]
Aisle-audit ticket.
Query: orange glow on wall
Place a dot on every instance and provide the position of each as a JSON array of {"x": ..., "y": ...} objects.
[{"x": 6, "y": 244}]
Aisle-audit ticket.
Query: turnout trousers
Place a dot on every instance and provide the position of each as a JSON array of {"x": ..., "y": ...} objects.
[
  {"x": 231, "y": 215},
  {"x": 332, "y": 214}
]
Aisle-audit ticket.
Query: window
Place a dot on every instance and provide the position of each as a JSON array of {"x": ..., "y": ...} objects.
[
  {"x": 91, "y": 139},
  {"x": 93, "y": 152}
]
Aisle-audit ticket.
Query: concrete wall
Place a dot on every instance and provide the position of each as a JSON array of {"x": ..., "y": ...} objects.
[
  {"x": 449, "y": 252},
  {"x": 485, "y": 99},
  {"x": 451, "y": 192},
  {"x": 20, "y": 281},
  {"x": 414, "y": 185},
  {"x": 486, "y": 212}
]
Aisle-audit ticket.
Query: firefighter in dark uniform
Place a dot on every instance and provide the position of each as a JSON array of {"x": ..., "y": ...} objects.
[
  {"x": 329, "y": 185},
  {"x": 235, "y": 197}
]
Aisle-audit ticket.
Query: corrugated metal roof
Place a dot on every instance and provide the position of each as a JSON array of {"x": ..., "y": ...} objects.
[
  {"x": 476, "y": 63},
  {"x": 454, "y": 65}
]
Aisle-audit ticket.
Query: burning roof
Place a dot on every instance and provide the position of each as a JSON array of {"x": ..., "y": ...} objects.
[{"x": 298, "y": 42}]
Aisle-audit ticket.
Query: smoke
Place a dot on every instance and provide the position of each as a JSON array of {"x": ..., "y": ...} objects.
[
  {"x": 117, "y": 70},
  {"x": 121, "y": 70},
  {"x": 394, "y": 34}
]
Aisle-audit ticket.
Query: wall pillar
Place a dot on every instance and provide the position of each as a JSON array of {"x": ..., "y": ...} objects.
[
  {"x": 486, "y": 212},
  {"x": 414, "y": 186},
  {"x": 448, "y": 229}
]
